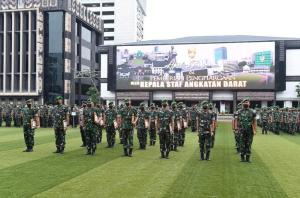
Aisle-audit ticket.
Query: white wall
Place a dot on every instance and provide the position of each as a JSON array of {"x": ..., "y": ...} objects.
[
  {"x": 162, "y": 95},
  {"x": 107, "y": 95},
  {"x": 104, "y": 65},
  {"x": 222, "y": 95},
  {"x": 289, "y": 94},
  {"x": 293, "y": 62}
]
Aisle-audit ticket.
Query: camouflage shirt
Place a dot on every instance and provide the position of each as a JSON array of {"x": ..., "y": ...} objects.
[
  {"x": 28, "y": 114},
  {"x": 59, "y": 113},
  {"x": 165, "y": 119},
  {"x": 126, "y": 114},
  {"x": 141, "y": 116},
  {"x": 205, "y": 119},
  {"x": 89, "y": 118},
  {"x": 110, "y": 115},
  {"x": 246, "y": 117}
]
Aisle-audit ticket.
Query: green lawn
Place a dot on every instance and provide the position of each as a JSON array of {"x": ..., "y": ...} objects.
[{"x": 274, "y": 171}]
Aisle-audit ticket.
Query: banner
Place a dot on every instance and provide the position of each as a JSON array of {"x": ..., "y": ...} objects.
[{"x": 238, "y": 66}]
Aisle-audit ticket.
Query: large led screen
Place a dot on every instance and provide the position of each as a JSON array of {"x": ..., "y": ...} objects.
[{"x": 249, "y": 66}]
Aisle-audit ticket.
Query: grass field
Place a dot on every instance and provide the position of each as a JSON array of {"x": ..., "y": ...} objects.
[{"x": 274, "y": 171}]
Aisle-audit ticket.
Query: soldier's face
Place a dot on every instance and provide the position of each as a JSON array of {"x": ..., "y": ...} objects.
[{"x": 59, "y": 101}]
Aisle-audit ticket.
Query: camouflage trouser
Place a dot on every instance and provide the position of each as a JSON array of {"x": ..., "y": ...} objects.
[
  {"x": 276, "y": 126},
  {"x": 99, "y": 134},
  {"x": 60, "y": 138},
  {"x": 28, "y": 136},
  {"x": 83, "y": 135},
  {"x": 205, "y": 142},
  {"x": 127, "y": 138},
  {"x": 246, "y": 142},
  {"x": 164, "y": 140},
  {"x": 181, "y": 137},
  {"x": 0, "y": 120},
  {"x": 91, "y": 139},
  {"x": 121, "y": 135},
  {"x": 8, "y": 121},
  {"x": 174, "y": 139},
  {"x": 111, "y": 135},
  {"x": 142, "y": 136},
  {"x": 237, "y": 140},
  {"x": 264, "y": 128},
  {"x": 152, "y": 135},
  {"x": 193, "y": 125}
]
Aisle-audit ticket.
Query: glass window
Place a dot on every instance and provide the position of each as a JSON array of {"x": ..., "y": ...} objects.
[
  {"x": 108, "y": 38},
  {"x": 109, "y": 29},
  {"x": 108, "y": 4},
  {"x": 86, "y": 34},
  {"x": 85, "y": 53},
  {"x": 108, "y": 13},
  {"x": 109, "y": 21}
]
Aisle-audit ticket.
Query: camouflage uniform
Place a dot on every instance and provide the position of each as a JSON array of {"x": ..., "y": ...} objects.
[
  {"x": 183, "y": 114},
  {"x": 177, "y": 120},
  {"x": 193, "y": 115},
  {"x": 264, "y": 121},
  {"x": 60, "y": 114},
  {"x": 165, "y": 119},
  {"x": 1, "y": 115},
  {"x": 214, "y": 120},
  {"x": 81, "y": 122},
  {"x": 28, "y": 113},
  {"x": 152, "y": 130},
  {"x": 90, "y": 128},
  {"x": 8, "y": 116},
  {"x": 142, "y": 116},
  {"x": 205, "y": 119},
  {"x": 110, "y": 117},
  {"x": 236, "y": 127}
]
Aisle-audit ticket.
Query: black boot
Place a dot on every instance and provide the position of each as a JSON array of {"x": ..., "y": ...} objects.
[
  {"x": 167, "y": 155},
  {"x": 201, "y": 155},
  {"x": 207, "y": 156},
  {"x": 57, "y": 150},
  {"x": 62, "y": 150},
  {"x": 130, "y": 152},
  {"x": 125, "y": 152},
  {"x": 242, "y": 158},
  {"x": 162, "y": 154},
  {"x": 248, "y": 158},
  {"x": 88, "y": 152}
]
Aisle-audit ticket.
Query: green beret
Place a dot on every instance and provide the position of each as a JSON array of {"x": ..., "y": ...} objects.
[{"x": 59, "y": 98}]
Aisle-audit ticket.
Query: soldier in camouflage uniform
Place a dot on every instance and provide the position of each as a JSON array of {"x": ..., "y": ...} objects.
[
  {"x": 29, "y": 114},
  {"x": 184, "y": 119},
  {"x": 165, "y": 120},
  {"x": 177, "y": 126},
  {"x": 236, "y": 127},
  {"x": 126, "y": 120},
  {"x": 81, "y": 124},
  {"x": 8, "y": 116},
  {"x": 140, "y": 122},
  {"x": 248, "y": 129},
  {"x": 61, "y": 115},
  {"x": 153, "y": 124},
  {"x": 193, "y": 115},
  {"x": 90, "y": 114},
  {"x": 1, "y": 115},
  {"x": 110, "y": 119},
  {"x": 264, "y": 116},
  {"x": 276, "y": 120},
  {"x": 214, "y": 123},
  {"x": 100, "y": 112},
  {"x": 204, "y": 126}
]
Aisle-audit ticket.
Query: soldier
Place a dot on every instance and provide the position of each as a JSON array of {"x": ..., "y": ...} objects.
[
  {"x": 142, "y": 123},
  {"x": 193, "y": 115},
  {"x": 90, "y": 122},
  {"x": 30, "y": 123},
  {"x": 126, "y": 120},
  {"x": 165, "y": 120},
  {"x": 183, "y": 124},
  {"x": 1, "y": 115},
  {"x": 61, "y": 121},
  {"x": 110, "y": 120},
  {"x": 177, "y": 126},
  {"x": 100, "y": 112},
  {"x": 81, "y": 124},
  {"x": 264, "y": 120},
  {"x": 214, "y": 123},
  {"x": 248, "y": 129},
  {"x": 152, "y": 122},
  {"x": 276, "y": 120},
  {"x": 119, "y": 126},
  {"x": 8, "y": 116},
  {"x": 204, "y": 127},
  {"x": 236, "y": 127}
]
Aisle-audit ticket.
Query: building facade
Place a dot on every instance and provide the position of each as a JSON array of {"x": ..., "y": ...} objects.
[
  {"x": 123, "y": 20},
  {"x": 45, "y": 47}
]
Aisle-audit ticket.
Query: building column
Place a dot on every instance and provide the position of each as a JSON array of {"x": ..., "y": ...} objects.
[
  {"x": 234, "y": 101},
  {"x": 4, "y": 52}
]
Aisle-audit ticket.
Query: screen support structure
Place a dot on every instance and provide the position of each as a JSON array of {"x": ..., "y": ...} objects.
[{"x": 91, "y": 75}]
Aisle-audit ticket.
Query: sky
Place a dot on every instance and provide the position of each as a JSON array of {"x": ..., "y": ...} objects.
[{"x": 167, "y": 19}]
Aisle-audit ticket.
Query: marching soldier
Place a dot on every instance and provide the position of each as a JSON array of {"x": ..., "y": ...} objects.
[
  {"x": 81, "y": 124},
  {"x": 110, "y": 122},
  {"x": 100, "y": 112},
  {"x": 183, "y": 124},
  {"x": 193, "y": 115},
  {"x": 126, "y": 120},
  {"x": 30, "y": 123},
  {"x": 90, "y": 122},
  {"x": 61, "y": 121},
  {"x": 177, "y": 127},
  {"x": 204, "y": 126},
  {"x": 248, "y": 129},
  {"x": 142, "y": 123},
  {"x": 264, "y": 120},
  {"x": 152, "y": 121},
  {"x": 214, "y": 124},
  {"x": 165, "y": 120}
]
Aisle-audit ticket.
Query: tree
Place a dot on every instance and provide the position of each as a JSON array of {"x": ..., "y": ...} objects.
[
  {"x": 298, "y": 93},
  {"x": 94, "y": 94}
]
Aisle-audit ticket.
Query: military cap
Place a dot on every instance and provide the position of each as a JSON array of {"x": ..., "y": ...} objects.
[
  {"x": 83, "y": 102},
  {"x": 59, "y": 98},
  {"x": 180, "y": 103},
  {"x": 210, "y": 104},
  {"x": 89, "y": 101}
]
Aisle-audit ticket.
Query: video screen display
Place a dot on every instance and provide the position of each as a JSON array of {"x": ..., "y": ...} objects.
[{"x": 222, "y": 66}]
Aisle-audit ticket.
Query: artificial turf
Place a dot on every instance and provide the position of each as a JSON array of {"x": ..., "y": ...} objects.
[{"x": 274, "y": 171}]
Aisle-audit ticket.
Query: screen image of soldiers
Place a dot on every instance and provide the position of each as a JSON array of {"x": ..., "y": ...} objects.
[
  {"x": 177, "y": 126},
  {"x": 30, "y": 123},
  {"x": 126, "y": 120},
  {"x": 110, "y": 117},
  {"x": 90, "y": 124},
  {"x": 152, "y": 124},
  {"x": 140, "y": 121},
  {"x": 214, "y": 123},
  {"x": 81, "y": 124},
  {"x": 247, "y": 128},
  {"x": 165, "y": 122},
  {"x": 204, "y": 126},
  {"x": 60, "y": 121}
]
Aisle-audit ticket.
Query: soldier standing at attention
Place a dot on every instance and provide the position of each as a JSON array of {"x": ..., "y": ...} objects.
[
  {"x": 60, "y": 123},
  {"x": 81, "y": 122},
  {"x": 204, "y": 126},
  {"x": 248, "y": 129},
  {"x": 90, "y": 122},
  {"x": 109, "y": 120},
  {"x": 165, "y": 120},
  {"x": 140, "y": 122},
  {"x": 126, "y": 120},
  {"x": 236, "y": 128},
  {"x": 30, "y": 123},
  {"x": 152, "y": 122}
]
